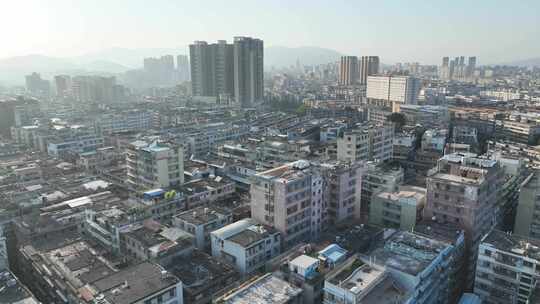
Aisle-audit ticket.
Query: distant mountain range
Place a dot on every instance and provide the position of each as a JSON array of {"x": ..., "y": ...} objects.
[
  {"x": 105, "y": 62},
  {"x": 13, "y": 70},
  {"x": 130, "y": 58},
  {"x": 280, "y": 56},
  {"x": 118, "y": 60},
  {"x": 531, "y": 62}
]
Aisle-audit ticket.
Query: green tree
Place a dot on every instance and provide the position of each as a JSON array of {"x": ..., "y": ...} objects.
[
  {"x": 398, "y": 119},
  {"x": 301, "y": 110}
]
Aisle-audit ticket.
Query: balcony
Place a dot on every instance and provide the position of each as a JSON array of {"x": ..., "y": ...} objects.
[{"x": 504, "y": 272}]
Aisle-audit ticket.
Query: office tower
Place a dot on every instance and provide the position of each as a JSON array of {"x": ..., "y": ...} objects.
[
  {"x": 460, "y": 67},
  {"x": 348, "y": 70},
  {"x": 507, "y": 268},
  {"x": 154, "y": 165},
  {"x": 202, "y": 83},
  {"x": 212, "y": 68},
  {"x": 471, "y": 67},
  {"x": 158, "y": 65},
  {"x": 299, "y": 68},
  {"x": 37, "y": 86},
  {"x": 81, "y": 89},
  {"x": 104, "y": 88},
  {"x": 393, "y": 90},
  {"x": 444, "y": 72},
  {"x": 7, "y": 117},
  {"x": 248, "y": 70},
  {"x": 445, "y": 61},
  {"x": 290, "y": 198},
  {"x": 96, "y": 89},
  {"x": 150, "y": 64},
  {"x": 456, "y": 72},
  {"x": 119, "y": 93},
  {"x": 369, "y": 66},
  {"x": 159, "y": 71},
  {"x": 182, "y": 66},
  {"x": 414, "y": 68},
  {"x": 463, "y": 189},
  {"x": 63, "y": 85},
  {"x": 451, "y": 69},
  {"x": 17, "y": 113},
  {"x": 223, "y": 55},
  {"x": 168, "y": 62}
]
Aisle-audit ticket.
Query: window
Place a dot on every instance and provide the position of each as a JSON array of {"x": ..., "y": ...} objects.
[{"x": 292, "y": 209}]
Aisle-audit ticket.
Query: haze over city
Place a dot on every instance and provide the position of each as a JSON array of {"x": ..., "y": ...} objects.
[
  {"x": 420, "y": 30},
  {"x": 261, "y": 152}
]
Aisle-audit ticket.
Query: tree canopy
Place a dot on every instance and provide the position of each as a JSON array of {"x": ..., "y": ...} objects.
[{"x": 398, "y": 119}]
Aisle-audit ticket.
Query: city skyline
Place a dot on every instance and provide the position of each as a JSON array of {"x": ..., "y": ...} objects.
[
  {"x": 457, "y": 28},
  {"x": 180, "y": 152}
]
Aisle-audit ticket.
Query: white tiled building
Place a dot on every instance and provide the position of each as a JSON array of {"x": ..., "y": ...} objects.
[
  {"x": 246, "y": 244},
  {"x": 394, "y": 89},
  {"x": 154, "y": 165},
  {"x": 290, "y": 198}
]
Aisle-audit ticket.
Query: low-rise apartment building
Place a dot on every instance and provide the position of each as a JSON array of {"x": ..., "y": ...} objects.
[
  {"x": 154, "y": 165},
  {"x": 357, "y": 282},
  {"x": 201, "y": 221},
  {"x": 508, "y": 267},
  {"x": 464, "y": 189},
  {"x": 246, "y": 244},
  {"x": 290, "y": 198},
  {"x": 266, "y": 289},
  {"x": 77, "y": 273},
  {"x": 400, "y": 210},
  {"x": 419, "y": 264},
  {"x": 376, "y": 178},
  {"x": 527, "y": 223},
  {"x": 366, "y": 142},
  {"x": 344, "y": 190}
]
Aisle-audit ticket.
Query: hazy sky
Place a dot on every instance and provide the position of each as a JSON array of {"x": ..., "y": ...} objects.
[{"x": 403, "y": 30}]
